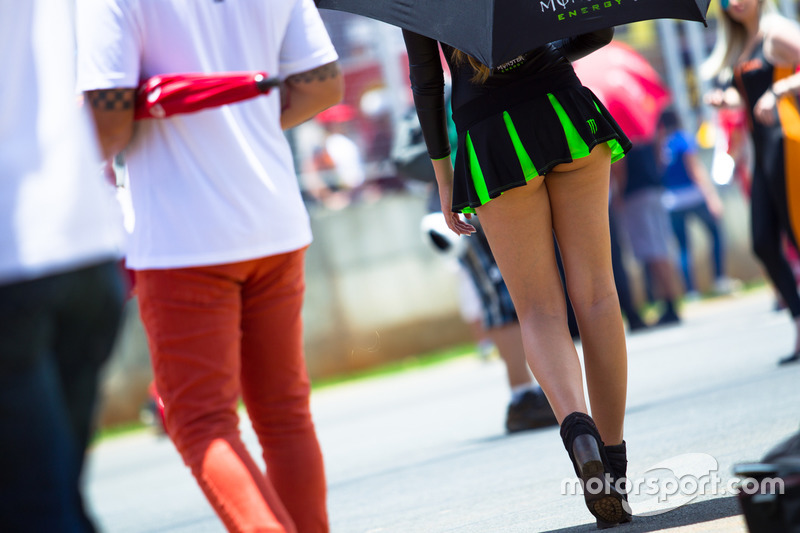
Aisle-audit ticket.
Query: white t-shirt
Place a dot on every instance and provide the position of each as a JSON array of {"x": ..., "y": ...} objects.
[
  {"x": 217, "y": 186},
  {"x": 57, "y": 211}
]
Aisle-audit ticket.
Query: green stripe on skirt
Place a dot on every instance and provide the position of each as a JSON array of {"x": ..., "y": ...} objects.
[{"x": 578, "y": 149}]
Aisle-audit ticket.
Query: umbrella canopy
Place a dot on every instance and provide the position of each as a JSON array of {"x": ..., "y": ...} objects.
[
  {"x": 170, "y": 94},
  {"x": 497, "y": 31},
  {"x": 628, "y": 86}
]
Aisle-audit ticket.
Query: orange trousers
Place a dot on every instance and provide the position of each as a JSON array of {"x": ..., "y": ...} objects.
[{"x": 224, "y": 332}]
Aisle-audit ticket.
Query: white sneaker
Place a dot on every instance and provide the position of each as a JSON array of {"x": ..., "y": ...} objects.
[
  {"x": 726, "y": 285},
  {"x": 691, "y": 296}
]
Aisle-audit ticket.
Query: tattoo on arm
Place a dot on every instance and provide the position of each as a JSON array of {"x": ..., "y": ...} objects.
[
  {"x": 331, "y": 70},
  {"x": 112, "y": 99}
]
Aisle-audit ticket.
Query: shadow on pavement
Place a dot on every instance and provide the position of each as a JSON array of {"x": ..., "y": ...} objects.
[{"x": 696, "y": 513}]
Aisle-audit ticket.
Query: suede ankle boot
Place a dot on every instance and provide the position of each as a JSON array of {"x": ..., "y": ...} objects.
[
  {"x": 617, "y": 456},
  {"x": 586, "y": 450}
]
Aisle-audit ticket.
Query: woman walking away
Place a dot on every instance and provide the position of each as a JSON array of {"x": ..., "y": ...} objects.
[
  {"x": 753, "y": 61},
  {"x": 533, "y": 159}
]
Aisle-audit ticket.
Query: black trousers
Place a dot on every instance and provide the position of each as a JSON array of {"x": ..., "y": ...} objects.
[
  {"x": 769, "y": 223},
  {"x": 55, "y": 334}
]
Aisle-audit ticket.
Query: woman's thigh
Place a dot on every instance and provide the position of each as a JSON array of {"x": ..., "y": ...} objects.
[
  {"x": 520, "y": 233},
  {"x": 578, "y": 194}
]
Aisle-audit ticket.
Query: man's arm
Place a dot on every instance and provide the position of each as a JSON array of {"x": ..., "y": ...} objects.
[
  {"x": 699, "y": 175},
  {"x": 782, "y": 44},
  {"x": 307, "y": 93},
  {"x": 112, "y": 110}
]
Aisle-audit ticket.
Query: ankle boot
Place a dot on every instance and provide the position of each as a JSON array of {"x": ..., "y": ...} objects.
[
  {"x": 617, "y": 456},
  {"x": 586, "y": 450}
]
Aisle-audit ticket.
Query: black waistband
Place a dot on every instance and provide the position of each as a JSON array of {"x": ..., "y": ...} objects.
[{"x": 502, "y": 98}]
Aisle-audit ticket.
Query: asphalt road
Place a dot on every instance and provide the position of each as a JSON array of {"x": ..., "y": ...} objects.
[{"x": 425, "y": 451}]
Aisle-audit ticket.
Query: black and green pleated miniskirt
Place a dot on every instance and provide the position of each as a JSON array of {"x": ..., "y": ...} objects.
[{"x": 516, "y": 132}]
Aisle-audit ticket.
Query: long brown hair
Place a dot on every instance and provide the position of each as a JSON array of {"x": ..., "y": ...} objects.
[
  {"x": 482, "y": 72},
  {"x": 731, "y": 41}
]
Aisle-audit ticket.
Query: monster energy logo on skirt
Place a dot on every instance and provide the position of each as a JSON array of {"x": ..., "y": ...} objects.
[{"x": 568, "y": 9}]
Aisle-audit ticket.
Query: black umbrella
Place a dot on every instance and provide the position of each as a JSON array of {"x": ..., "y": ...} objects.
[{"x": 497, "y": 31}]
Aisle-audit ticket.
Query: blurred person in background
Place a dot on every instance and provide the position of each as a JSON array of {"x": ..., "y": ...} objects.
[
  {"x": 637, "y": 194},
  {"x": 754, "y": 62},
  {"x": 382, "y": 176},
  {"x": 689, "y": 194},
  {"x": 485, "y": 301},
  {"x": 335, "y": 172},
  {"x": 732, "y": 158},
  {"x": 219, "y": 237},
  {"x": 621, "y": 280},
  {"x": 61, "y": 290}
]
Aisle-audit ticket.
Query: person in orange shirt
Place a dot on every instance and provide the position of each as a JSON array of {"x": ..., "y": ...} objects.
[{"x": 754, "y": 60}]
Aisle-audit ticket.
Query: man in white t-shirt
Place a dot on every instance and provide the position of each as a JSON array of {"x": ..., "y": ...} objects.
[
  {"x": 219, "y": 236},
  {"x": 61, "y": 292}
]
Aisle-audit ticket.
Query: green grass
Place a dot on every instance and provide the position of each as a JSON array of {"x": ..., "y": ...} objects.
[{"x": 753, "y": 285}]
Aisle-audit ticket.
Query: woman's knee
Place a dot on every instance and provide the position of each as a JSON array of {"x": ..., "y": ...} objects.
[
  {"x": 543, "y": 310},
  {"x": 595, "y": 297}
]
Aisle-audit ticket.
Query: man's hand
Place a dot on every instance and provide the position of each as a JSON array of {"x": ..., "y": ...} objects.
[
  {"x": 723, "y": 98},
  {"x": 782, "y": 44},
  {"x": 766, "y": 111}
]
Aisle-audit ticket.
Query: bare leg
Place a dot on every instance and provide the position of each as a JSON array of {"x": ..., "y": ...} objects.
[
  {"x": 667, "y": 286},
  {"x": 577, "y": 193},
  {"x": 522, "y": 215},
  {"x": 578, "y": 198},
  {"x": 572, "y": 201},
  {"x": 508, "y": 340}
]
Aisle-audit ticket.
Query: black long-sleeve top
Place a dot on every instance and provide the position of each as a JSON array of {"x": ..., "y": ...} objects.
[{"x": 427, "y": 77}]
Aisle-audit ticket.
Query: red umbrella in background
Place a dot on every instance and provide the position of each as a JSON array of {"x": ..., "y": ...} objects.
[
  {"x": 169, "y": 94},
  {"x": 336, "y": 114},
  {"x": 628, "y": 86}
]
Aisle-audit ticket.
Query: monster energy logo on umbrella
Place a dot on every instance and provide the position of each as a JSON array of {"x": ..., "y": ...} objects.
[{"x": 568, "y": 9}]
